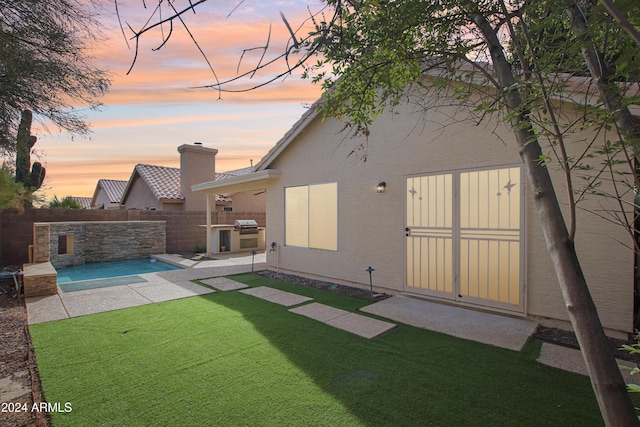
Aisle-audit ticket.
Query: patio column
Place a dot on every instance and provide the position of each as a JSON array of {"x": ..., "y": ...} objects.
[{"x": 209, "y": 252}]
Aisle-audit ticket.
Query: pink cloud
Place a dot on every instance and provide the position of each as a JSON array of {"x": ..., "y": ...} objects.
[
  {"x": 222, "y": 40},
  {"x": 154, "y": 109},
  {"x": 159, "y": 92}
]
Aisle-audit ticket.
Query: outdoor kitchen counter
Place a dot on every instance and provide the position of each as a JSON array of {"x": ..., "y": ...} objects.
[{"x": 229, "y": 238}]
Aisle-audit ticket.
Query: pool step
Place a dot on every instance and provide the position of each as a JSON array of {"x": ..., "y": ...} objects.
[{"x": 82, "y": 285}]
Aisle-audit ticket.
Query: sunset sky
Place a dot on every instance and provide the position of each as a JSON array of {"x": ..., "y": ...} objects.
[{"x": 153, "y": 110}]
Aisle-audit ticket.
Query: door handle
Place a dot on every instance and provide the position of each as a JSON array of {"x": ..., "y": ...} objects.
[{"x": 408, "y": 231}]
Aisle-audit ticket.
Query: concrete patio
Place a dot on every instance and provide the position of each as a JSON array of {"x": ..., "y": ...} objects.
[
  {"x": 500, "y": 331},
  {"x": 156, "y": 287}
]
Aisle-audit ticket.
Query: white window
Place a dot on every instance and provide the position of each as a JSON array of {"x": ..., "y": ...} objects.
[{"x": 311, "y": 216}]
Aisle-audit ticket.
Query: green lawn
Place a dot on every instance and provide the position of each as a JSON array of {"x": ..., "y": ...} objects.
[{"x": 228, "y": 359}]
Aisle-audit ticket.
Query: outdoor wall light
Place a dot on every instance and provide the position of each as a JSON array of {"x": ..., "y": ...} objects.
[{"x": 381, "y": 187}]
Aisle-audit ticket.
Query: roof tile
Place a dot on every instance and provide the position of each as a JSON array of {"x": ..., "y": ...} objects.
[
  {"x": 233, "y": 173},
  {"x": 163, "y": 181},
  {"x": 84, "y": 202},
  {"x": 114, "y": 189}
]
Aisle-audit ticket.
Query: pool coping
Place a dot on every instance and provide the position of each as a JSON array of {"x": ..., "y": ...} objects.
[
  {"x": 118, "y": 268},
  {"x": 107, "y": 282}
]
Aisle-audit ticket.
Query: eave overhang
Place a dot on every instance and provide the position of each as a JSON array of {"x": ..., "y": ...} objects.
[{"x": 252, "y": 181}]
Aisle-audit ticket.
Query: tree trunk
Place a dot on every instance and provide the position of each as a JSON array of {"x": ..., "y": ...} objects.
[
  {"x": 622, "y": 20},
  {"x": 607, "y": 382},
  {"x": 609, "y": 91}
]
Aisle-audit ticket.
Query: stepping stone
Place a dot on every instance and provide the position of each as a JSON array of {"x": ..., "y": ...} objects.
[
  {"x": 320, "y": 312},
  {"x": 276, "y": 296},
  {"x": 363, "y": 326},
  {"x": 11, "y": 390},
  {"x": 570, "y": 359},
  {"x": 260, "y": 291},
  {"x": 358, "y": 324},
  {"x": 223, "y": 284}
]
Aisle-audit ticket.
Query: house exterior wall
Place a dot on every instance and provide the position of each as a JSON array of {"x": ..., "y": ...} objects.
[
  {"x": 103, "y": 199},
  {"x": 371, "y": 225},
  {"x": 249, "y": 201},
  {"x": 141, "y": 197},
  {"x": 229, "y": 218}
]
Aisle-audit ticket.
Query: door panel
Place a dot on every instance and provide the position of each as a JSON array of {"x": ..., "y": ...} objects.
[
  {"x": 464, "y": 236},
  {"x": 429, "y": 233}
]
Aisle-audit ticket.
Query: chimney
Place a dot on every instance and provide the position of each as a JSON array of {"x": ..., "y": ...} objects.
[{"x": 197, "y": 165}]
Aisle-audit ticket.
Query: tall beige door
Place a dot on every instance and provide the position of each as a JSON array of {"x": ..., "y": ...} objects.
[{"x": 464, "y": 236}]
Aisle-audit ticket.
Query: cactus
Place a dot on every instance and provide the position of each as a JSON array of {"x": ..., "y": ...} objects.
[{"x": 33, "y": 178}]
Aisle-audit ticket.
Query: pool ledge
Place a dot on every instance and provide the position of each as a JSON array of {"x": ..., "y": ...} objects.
[
  {"x": 39, "y": 279},
  {"x": 175, "y": 259}
]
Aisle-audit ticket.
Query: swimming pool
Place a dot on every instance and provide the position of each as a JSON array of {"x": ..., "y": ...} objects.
[{"x": 111, "y": 269}]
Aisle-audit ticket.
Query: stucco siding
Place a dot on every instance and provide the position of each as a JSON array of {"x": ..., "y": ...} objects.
[
  {"x": 606, "y": 261},
  {"x": 102, "y": 199},
  {"x": 371, "y": 225},
  {"x": 141, "y": 197},
  {"x": 197, "y": 164},
  {"x": 249, "y": 201}
]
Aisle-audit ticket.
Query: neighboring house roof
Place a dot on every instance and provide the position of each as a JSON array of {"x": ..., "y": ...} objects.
[
  {"x": 113, "y": 188},
  {"x": 84, "y": 202},
  {"x": 223, "y": 199},
  {"x": 231, "y": 174},
  {"x": 164, "y": 181}
]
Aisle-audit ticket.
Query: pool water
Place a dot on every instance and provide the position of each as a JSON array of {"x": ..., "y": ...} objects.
[{"x": 110, "y": 269}]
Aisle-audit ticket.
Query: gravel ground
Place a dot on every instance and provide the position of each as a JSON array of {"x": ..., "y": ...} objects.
[
  {"x": 317, "y": 284},
  {"x": 19, "y": 380},
  {"x": 568, "y": 339}
]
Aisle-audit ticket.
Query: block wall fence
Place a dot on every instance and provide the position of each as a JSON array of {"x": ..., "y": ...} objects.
[{"x": 185, "y": 231}]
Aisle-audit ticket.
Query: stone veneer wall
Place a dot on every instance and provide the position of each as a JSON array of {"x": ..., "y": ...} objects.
[
  {"x": 41, "y": 243},
  {"x": 99, "y": 241},
  {"x": 39, "y": 279}
]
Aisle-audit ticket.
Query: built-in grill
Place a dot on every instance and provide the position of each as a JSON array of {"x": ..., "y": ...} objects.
[{"x": 246, "y": 226}]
